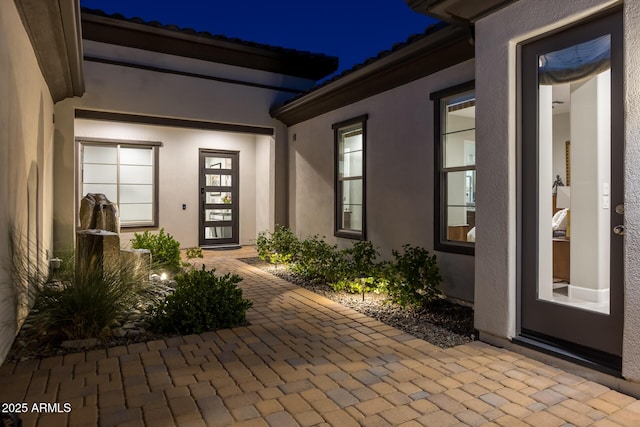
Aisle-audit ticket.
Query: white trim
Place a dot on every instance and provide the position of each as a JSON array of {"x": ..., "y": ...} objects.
[{"x": 587, "y": 294}]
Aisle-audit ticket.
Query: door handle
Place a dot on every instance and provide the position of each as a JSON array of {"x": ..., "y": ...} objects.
[{"x": 619, "y": 230}]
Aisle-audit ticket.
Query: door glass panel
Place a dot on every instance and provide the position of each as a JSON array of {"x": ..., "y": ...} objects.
[
  {"x": 574, "y": 127},
  {"x": 218, "y": 197},
  {"x": 217, "y": 232},
  {"x": 217, "y": 163},
  {"x": 218, "y": 180},
  {"x": 218, "y": 214}
]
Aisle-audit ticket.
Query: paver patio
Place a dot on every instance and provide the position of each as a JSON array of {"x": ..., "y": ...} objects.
[{"x": 306, "y": 360}]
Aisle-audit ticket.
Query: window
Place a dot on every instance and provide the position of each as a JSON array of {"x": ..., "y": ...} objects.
[
  {"x": 127, "y": 174},
  {"x": 455, "y": 157},
  {"x": 350, "y": 144}
]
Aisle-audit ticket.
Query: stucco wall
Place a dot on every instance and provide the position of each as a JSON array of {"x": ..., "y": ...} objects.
[
  {"x": 26, "y": 132},
  {"x": 497, "y": 37},
  {"x": 131, "y": 90},
  {"x": 631, "y": 344},
  {"x": 400, "y": 175},
  {"x": 179, "y": 174}
]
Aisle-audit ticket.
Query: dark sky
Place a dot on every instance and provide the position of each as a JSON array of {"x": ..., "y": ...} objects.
[{"x": 352, "y": 30}]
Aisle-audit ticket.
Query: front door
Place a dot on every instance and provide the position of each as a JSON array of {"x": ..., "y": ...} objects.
[
  {"x": 218, "y": 198},
  {"x": 571, "y": 192}
]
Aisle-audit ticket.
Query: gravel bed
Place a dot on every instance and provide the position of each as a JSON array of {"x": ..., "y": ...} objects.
[{"x": 443, "y": 323}]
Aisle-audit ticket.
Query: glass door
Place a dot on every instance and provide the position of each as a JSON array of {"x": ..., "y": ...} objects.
[
  {"x": 218, "y": 198},
  {"x": 572, "y": 189}
]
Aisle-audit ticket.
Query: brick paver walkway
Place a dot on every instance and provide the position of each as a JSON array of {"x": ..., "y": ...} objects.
[{"x": 305, "y": 360}]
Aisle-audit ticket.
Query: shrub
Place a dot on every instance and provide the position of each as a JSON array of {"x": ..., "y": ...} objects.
[
  {"x": 190, "y": 254},
  {"x": 360, "y": 272},
  {"x": 319, "y": 261},
  {"x": 361, "y": 260},
  {"x": 359, "y": 285},
  {"x": 413, "y": 277},
  {"x": 201, "y": 302},
  {"x": 165, "y": 250},
  {"x": 86, "y": 304},
  {"x": 280, "y": 247}
]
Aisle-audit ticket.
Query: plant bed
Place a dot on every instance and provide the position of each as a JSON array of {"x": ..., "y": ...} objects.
[
  {"x": 442, "y": 322},
  {"x": 132, "y": 327}
]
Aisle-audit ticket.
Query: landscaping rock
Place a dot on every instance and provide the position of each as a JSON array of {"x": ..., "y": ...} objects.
[
  {"x": 98, "y": 212},
  {"x": 78, "y": 344}
]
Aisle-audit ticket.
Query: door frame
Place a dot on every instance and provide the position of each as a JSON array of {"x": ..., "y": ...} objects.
[
  {"x": 234, "y": 240},
  {"x": 600, "y": 344}
]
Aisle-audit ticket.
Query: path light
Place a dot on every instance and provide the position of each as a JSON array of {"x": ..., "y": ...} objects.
[{"x": 163, "y": 276}]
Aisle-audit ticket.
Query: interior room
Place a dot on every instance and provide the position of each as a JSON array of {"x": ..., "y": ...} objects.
[{"x": 575, "y": 177}]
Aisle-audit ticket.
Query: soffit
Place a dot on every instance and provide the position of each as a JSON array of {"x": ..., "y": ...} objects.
[
  {"x": 170, "y": 39},
  {"x": 440, "y": 47},
  {"x": 465, "y": 12},
  {"x": 53, "y": 27}
]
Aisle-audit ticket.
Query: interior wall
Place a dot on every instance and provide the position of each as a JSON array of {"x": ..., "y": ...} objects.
[
  {"x": 179, "y": 157},
  {"x": 590, "y": 172},
  {"x": 26, "y": 130},
  {"x": 399, "y": 175},
  {"x": 561, "y": 134}
]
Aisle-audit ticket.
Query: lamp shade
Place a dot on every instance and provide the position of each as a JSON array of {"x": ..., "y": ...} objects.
[{"x": 563, "y": 200}]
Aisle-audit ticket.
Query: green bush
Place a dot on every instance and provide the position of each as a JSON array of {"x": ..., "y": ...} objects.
[
  {"x": 319, "y": 261},
  {"x": 201, "y": 302},
  {"x": 361, "y": 260},
  {"x": 190, "y": 254},
  {"x": 413, "y": 278},
  {"x": 360, "y": 272},
  {"x": 280, "y": 247},
  {"x": 359, "y": 286},
  {"x": 165, "y": 250}
]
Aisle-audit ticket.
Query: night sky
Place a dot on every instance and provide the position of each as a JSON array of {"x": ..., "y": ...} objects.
[{"x": 352, "y": 30}]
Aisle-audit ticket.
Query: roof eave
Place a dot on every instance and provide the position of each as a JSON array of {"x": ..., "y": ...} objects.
[
  {"x": 54, "y": 30},
  {"x": 437, "y": 51},
  {"x": 459, "y": 12},
  {"x": 160, "y": 39}
]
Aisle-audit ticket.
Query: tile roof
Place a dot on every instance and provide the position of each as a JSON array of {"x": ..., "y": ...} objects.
[
  {"x": 439, "y": 47},
  {"x": 321, "y": 64},
  {"x": 414, "y": 38}
]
